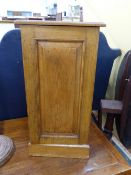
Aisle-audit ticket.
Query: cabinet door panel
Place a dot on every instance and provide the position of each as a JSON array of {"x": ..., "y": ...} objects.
[{"x": 60, "y": 70}]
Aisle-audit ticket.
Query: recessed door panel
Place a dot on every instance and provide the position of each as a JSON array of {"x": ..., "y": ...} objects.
[{"x": 60, "y": 70}]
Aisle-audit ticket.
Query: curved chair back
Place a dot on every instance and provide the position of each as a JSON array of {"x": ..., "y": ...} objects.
[
  {"x": 123, "y": 91},
  {"x": 123, "y": 75},
  {"x": 12, "y": 89},
  {"x": 105, "y": 60}
]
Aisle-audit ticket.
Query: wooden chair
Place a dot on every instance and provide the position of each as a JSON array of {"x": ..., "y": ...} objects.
[
  {"x": 115, "y": 108},
  {"x": 118, "y": 108}
]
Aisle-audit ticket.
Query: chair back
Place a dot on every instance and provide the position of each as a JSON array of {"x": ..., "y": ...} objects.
[
  {"x": 126, "y": 115},
  {"x": 123, "y": 75},
  {"x": 12, "y": 87},
  {"x": 123, "y": 92},
  {"x": 105, "y": 60}
]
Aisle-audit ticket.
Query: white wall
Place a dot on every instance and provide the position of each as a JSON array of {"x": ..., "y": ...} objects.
[
  {"x": 117, "y": 16},
  {"x": 5, "y": 28},
  {"x": 18, "y": 5},
  {"x": 115, "y": 13},
  {"x": 21, "y": 5},
  {"x": 34, "y": 5}
]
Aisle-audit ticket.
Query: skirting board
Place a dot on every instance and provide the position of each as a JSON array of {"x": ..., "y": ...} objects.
[{"x": 55, "y": 150}]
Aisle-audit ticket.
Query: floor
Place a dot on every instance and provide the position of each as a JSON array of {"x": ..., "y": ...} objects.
[
  {"x": 104, "y": 158},
  {"x": 126, "y": 153}
]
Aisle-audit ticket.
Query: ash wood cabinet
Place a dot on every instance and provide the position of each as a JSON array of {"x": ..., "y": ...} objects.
[{"x": 59, "y": 68}]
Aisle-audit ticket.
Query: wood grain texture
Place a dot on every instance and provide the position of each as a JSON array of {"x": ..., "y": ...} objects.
[
  {"x": 59, "y": 85},
  {"x": 59, "y": 150},
  {"x": 59, "y": 23},
  {"x": 104, "y": 158},
  {"x": 31, "y": 73},
  {"x": 59, "y": 68},
  {"x": 90, "y": 56}
]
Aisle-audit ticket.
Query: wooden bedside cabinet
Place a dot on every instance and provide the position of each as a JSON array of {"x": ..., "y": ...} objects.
[{"x": 59, "y": 68}]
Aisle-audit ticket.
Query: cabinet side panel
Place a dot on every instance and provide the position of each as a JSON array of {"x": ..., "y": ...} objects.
[
  {"x": 90, "y": 57},
  {"x": 31, "y": 75}
]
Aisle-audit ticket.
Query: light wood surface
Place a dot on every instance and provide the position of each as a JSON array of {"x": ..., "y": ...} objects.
[
  {"x": 60, "y": 23},
  {"x": 104, "y": 158},
  {"x": 59, "y": 68},
  {"x": 6, "y": 21}
]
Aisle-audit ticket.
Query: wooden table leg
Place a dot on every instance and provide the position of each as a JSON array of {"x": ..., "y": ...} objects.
[
  {"x": 108, "y": 128},
  {"x": 100, "y": 119}
]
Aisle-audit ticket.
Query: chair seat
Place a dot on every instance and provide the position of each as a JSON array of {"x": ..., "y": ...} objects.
[{"x": 111, "y": 106}]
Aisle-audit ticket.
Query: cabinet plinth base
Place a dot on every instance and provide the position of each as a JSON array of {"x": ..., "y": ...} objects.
[{"x": 55, "y": 150}]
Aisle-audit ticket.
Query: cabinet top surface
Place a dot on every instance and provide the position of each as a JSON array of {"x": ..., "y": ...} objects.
[{"x": 60, "y": 23}]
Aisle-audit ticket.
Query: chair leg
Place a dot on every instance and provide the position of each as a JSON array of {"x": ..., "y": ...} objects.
[
  {"x": 100, "y": 119},
  {"x": 108, "y": 128}
]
